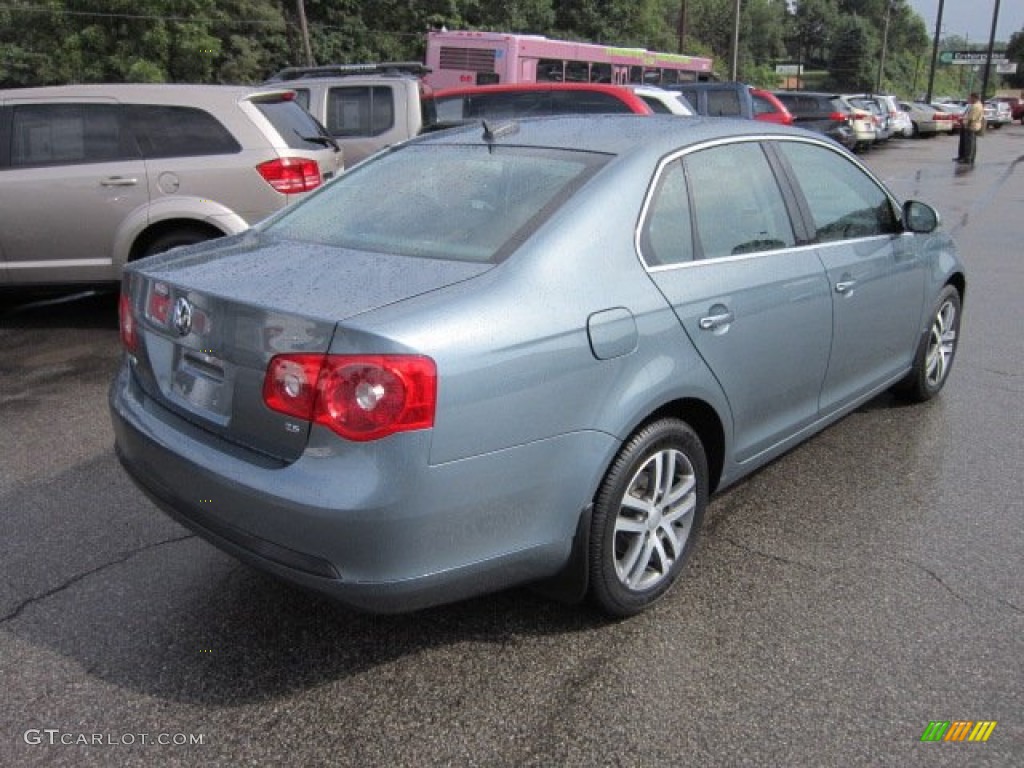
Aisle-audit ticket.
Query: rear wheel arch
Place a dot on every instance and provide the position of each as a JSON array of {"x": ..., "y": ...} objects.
[
  {"x": 702, "y": 419},
  {"x": 171, "y": 232}
]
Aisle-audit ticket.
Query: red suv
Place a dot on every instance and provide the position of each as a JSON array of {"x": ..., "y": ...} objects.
[{"x": 456, "y": 105}]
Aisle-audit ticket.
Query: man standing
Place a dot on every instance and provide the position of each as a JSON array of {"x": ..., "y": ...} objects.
[{"x": 973, "y": 123}]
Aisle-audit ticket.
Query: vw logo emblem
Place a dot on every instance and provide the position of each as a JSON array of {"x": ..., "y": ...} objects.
[{"x": 182, "y": 317}]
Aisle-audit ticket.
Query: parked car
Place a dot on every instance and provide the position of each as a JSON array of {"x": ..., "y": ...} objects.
[
  {"x": 823, "y": 113},
  {"x": 768, "y": 108},
  {"x": 452, "y": 106},
  {"x": 513, "y": 352},
  {"x": 879, "y": 115},
  {"x": 956, "y": 110},
  {"x": 899, "y": 121},
  {"x": 662, "y": 101},
  {"x": 926, "y": 119},
  {"x": 365, "y": 107},
  {"x": 94, "y": 176},
  {"x": 1016, "y": 106},
  {"x": 1000, "y": 111},
  {"x": 862, "y": 120},
  {"x": 721, "y": 99}
]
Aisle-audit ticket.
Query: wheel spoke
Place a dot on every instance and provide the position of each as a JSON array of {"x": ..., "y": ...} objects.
[{"x": 639, "y": 568}]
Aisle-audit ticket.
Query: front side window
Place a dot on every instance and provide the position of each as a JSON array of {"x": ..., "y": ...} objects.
[
  {"x": 738, "y": 207},
  {"x": 63, "y": 134},
  {"x": 463, "y": 203},
  {"x": 844, "y": 201},
  {"x": 360, "y": 110}
]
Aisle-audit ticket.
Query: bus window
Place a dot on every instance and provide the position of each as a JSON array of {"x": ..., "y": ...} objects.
[
  {"x": 600, "y": 73},
  {"x": 669, "y": 76},
  {"x": 652, "y": 76},
  {"x": 636, "y": 75},
  {"x": 577, "y": 72},
  {"x": 550, "y": 71}
]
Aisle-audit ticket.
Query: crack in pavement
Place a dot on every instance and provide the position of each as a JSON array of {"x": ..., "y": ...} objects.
[
  {"x": 85, "y": 574},
  {"x": 775, "y": 558}
]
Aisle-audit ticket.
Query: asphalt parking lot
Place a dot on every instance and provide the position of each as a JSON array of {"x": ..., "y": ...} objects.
[{"x": 841, "y": 599}]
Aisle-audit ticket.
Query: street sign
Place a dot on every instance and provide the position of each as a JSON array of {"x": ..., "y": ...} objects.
[
  {"x": 972, "y": 57},
  {"x": 789, "y": 69},
  {"x": 1007, "y": 69}
]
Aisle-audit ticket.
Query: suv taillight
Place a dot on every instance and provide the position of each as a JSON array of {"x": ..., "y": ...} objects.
[
  {"x": 839, "y": 117},
  {"x": 291, "y": 175},
  {"x": 126, "y": 321},
  {"x": 360, "y": 397}
]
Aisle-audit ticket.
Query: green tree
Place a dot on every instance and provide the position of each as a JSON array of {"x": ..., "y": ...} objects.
[{"x": 850, "y": 69}]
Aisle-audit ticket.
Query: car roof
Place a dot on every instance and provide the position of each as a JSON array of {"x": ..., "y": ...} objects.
[
  {"x": 521, "y": 87},
  {"x": 155, "y": 93},
  {"x": 617, "y": 134}
]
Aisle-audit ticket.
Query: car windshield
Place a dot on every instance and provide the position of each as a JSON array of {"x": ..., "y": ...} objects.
[{"x": 457, "y": 202}]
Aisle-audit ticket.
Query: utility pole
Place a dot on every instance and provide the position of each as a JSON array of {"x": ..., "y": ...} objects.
[
  {"x": 305, "y": 32},
  {"x": 991, "y": 47},
  {"x": 683, "y": 24},
  {"x": 736, "y": 42},
  {"x": 935, "y": 52},
  {"x": 885, "y": 44}
]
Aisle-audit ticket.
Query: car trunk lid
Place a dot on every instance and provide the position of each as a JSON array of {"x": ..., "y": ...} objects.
[{"x": 207, "y": 322}]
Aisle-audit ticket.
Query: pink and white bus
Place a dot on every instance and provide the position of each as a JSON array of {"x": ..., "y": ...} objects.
[{"x": 482, "y": 58}]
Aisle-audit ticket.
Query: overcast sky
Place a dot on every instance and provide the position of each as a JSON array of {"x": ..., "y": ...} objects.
[{"x": 972, "y": 18}]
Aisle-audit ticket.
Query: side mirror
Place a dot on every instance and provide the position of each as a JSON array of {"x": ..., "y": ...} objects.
[{"x": 920, "y": 217}]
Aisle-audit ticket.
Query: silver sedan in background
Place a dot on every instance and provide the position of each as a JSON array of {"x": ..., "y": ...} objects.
[{"x": 524, "y": 351}]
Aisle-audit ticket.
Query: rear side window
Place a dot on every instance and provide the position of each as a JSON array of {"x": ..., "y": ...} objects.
[
  {"x": 667, "y": 237},
  {"x": 360, "y": 110},
  {"x": 738, "y": 207},
  {"x": 845, "y": 202},
  {"x": 63, "y": 134},
  {"x": 166, "y": 131}
]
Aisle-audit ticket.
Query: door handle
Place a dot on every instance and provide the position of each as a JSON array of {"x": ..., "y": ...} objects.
[
  {"x": 711, "y": 322},
  {"x": 119, "y": 181},
  {"x": 845, "y": 286}
]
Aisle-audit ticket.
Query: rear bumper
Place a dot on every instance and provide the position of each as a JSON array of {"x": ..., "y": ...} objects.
[{"x": 373, "y": 525}]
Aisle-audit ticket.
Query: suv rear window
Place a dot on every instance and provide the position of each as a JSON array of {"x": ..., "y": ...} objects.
[
  {"x": 165, "y": 131},
  {"x": 463, "y": 203},
  {"x": 296, "y": 126}
]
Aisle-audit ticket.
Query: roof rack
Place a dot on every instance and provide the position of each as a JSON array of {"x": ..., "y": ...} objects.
[{"x": 349, "y": 70}]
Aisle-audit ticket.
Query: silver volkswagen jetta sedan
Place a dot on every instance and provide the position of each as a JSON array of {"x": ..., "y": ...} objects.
[{"x": 523, "y": 352}]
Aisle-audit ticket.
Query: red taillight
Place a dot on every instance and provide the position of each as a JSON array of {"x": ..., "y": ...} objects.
[
  {"x": 360, "y": 397},
  {"x": 291, "y": 175},
  {"x": 129, "y": 333},
  {"x": 839, "y": 117}
]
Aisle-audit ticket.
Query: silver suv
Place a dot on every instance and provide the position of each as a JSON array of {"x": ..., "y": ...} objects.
[{"x": 93, "y": 176}]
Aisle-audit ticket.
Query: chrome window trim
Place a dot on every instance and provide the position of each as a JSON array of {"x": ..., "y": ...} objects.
[{"x": 769, "y": 137}]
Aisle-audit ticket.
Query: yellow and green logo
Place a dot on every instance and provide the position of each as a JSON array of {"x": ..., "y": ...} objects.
[{"x": 958, "y": 730}]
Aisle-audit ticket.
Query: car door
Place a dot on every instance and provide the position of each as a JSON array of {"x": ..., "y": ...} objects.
[
  {"x": 720, "y": 244},
  {"x": 876, "y": 275},
  {"x": 73, "y": 177}
]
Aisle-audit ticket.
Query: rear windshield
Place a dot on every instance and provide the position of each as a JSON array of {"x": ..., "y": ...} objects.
[
  {"x": 456, "y": 202},
  {"x": 297, "y": 127}
]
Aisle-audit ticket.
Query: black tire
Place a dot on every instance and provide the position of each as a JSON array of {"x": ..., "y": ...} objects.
[
  {"x": 175, "y": 237},
  {"x": 637, "y": 550},
  {"x": 936, "y": 350}
]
